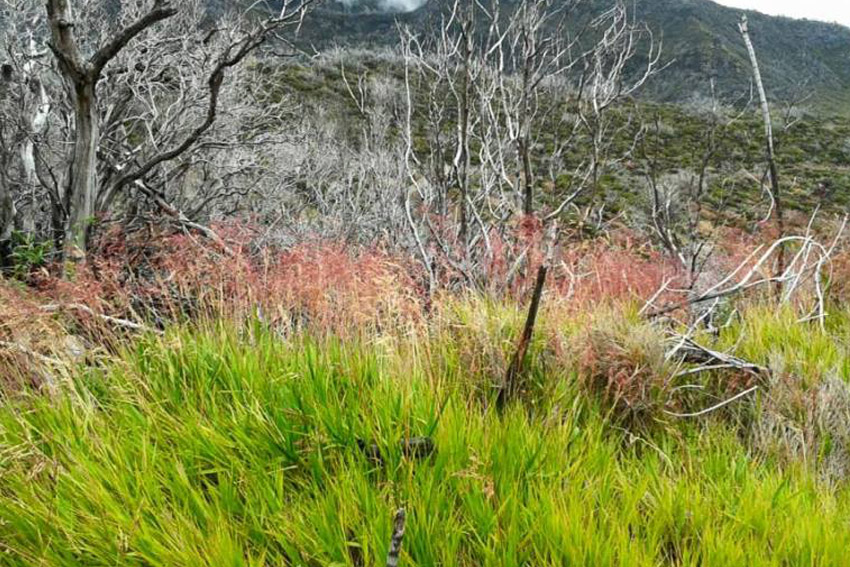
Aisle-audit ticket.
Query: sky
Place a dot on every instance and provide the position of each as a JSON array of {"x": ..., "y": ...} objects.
[{"x": 825, "y": 10}]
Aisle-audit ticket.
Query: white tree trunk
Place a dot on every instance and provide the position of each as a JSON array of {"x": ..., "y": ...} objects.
[
  {"x": 36, "y": 120},
  {"x": 765, "y": 107},
  {"x": 769, "y": 147}
]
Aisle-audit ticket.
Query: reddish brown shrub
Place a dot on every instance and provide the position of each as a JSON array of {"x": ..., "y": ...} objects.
[
  {"x": 159, "y": 277},
  {"x": 623, "y": 361}
]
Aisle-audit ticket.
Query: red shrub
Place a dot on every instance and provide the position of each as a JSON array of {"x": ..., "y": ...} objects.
[
  {"x": 157, "y": 276},
  {"x": 168, "y": 276}
]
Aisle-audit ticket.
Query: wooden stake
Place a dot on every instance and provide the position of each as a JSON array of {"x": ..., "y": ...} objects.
[{"x": 511, "y": 383}]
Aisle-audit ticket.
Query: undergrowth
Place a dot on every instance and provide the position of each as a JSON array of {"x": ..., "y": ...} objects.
[
  {"x": 225, "y": 444},
  {"x": 261, "y": 416}
]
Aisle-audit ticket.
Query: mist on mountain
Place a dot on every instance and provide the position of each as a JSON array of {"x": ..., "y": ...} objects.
[{"x": 381, "y": 5}]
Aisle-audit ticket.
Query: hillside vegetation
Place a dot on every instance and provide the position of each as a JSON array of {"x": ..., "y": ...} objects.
[
  {"x": 259, "y": 415},
  {"x": 491, "y": 295},
  {"x": 800, "y": 58},
  {"x": 813, "y": 150}
]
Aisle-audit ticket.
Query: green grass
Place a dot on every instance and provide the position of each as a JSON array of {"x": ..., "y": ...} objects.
[
  {"x": 778, "y": 340},
  {"x": 228, "y": 447}
]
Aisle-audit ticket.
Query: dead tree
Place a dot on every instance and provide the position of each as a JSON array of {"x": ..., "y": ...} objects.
[
  {"x": 511, "y": 382},
  {"x": 24, "y": 109},
  {"x": 515, "y": 70},
  {"x": 537, "y": 46},
  {"x": 605, "y": 82},
  {"x": 770, "y": 154},
  {"x": 82, "y": 75},
  {"x": 8, "y": 211},
  {"x": 677, "y": 200},
  {"x": 139, "y": 111}
]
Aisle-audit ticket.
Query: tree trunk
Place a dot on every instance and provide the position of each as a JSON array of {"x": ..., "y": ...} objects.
[
  {"x": 28, "y": 162},
  {"x": 511, "y": 382},
  {"x": 36, "y": 109},
  {"x": 463, "y": 160},
  {"x": 82, "y": 75},
  {"x": 527, "y": 180},
  {"x": 769, "y": 147},
  {"x": 83, "y": 187},
  {"x": 7, "y": 212}
]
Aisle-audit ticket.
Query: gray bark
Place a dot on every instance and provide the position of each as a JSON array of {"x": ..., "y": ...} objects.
[
  {"x": 83, "y": 191},
  {"x": 82, "y": 76},
  {"x": 7, "y": 212},
  {"x": 769, "y": 147}
]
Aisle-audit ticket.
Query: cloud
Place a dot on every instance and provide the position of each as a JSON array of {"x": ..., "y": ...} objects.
[
  {"x": 825, "y": 10},
  {"x": 402, "y": 5},
  {"x": 387, "y": 5}
]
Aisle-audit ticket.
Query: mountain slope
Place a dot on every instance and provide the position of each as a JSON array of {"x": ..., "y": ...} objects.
[{"x": 798, "y": 57}]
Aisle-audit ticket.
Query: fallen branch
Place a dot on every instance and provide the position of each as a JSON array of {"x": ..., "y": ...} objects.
[
  {"x": 715, "y": 407},
  {"x": 686, "y": 350},
  {"x": 167, "y": 208},
  {"x": 651, "y": 301},
  {"x": 701, "y": 369},
  {"x": 696, "y": 352},
  {"x": 799, "y": 269},
  {"x": 29, "y": 352},
  {"x": 126, "y": 323},
  {"x": 181, "y": 218}
]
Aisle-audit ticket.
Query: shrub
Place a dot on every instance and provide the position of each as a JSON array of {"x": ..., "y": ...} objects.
[
  {"x": 27, "y": 255},
  {"x": 809, "y": 425},
  {"x": 623, "y": 361}
]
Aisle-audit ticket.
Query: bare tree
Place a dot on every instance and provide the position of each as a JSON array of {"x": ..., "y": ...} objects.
[
  {"x": 83, "y": 75},
  {"x": 8, "y": 135},
  {"x": 24, "y": 108},
  {"x": 138, "y": 120},
  {"x": 678, "y": 201},
  {"x": 770, "y": 153},
  {"x": 517, "y": 77}
]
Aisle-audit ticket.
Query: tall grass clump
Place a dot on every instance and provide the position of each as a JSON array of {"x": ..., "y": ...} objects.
[
  {"x": 623, "y": 360},
  {"x": 223, "y": 444}
]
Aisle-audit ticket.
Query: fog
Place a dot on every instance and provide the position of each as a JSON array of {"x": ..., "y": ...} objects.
[{"x": 389, "y": 5}]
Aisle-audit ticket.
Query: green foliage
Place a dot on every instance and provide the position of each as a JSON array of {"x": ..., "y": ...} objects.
[
  {"x": 28, "y": 254},
  {"x": 232, "y": 447}
]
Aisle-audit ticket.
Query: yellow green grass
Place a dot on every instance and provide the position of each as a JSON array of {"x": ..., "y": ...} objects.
[{"x": 229, "y": 445}]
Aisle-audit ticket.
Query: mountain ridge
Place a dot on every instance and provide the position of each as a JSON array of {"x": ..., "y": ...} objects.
[{"x": 798, "y": 58}]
